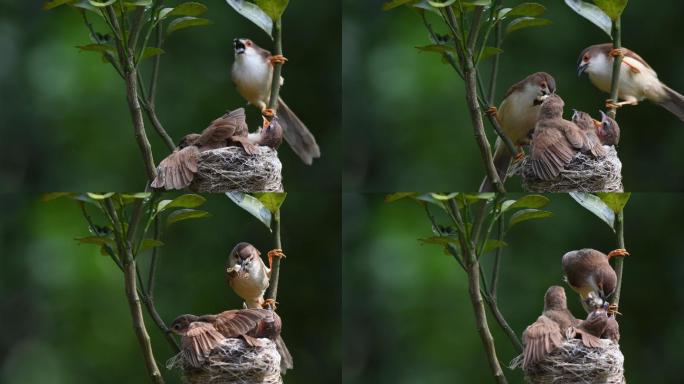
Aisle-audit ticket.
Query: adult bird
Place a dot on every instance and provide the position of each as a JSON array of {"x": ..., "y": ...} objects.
[
  {"x": 517, "y": 115},
  {"x": 638, "y": 81},
  {"x": 546, "y": 334},
  {"x": 247, "y": 274},
  {"x": 588, "y": 272},
  {"x": 252, "y": 74}
]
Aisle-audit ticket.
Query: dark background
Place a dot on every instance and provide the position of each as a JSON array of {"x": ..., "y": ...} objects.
[
  {"x": 407, "y": 316},
  {"x": 65, "y": 316},
  {"x": 64, "y": 120},
  {"x": 405, "y": 115}
]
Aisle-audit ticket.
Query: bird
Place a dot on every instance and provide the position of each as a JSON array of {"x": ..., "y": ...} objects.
[
  {"x": 247, "y": 274},
  {"x": 612, "y": 331},
  {"x": 517, "y": 115},
  {"x": 608, "y": 130},
  {"x": 177, "y": 170},
  {"x": 590, "y": 128},
  {"x": 638, "y": 81},
  {"x": 252, "y": 74},
  {"x": 589, "y": 273},
  {"x": 591, "y": 329},
  {"x": 555, "y": 141},
  {"x": 201, "y": 334},
  {"x": 546, "y": 334}
]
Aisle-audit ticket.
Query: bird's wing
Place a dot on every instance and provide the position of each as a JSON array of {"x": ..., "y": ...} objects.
[
  {"x": 177, "y": 170},
  {"x": 612, "y": 331},
  {"x": 236, "y": 323},
  {"x": 221, "y": 129},
  {"x": 539, "y": 339},
  {"x": 592, "y": 328},
  {"x": 550, "y": 150},
  {"x": 198, "y": 342}
]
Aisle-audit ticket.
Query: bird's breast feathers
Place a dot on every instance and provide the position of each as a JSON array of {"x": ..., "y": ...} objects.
[
  {"x": 518, "y": 114},
  {"x": 636, "y": 79},
  {"x": 252, "y": 75}
]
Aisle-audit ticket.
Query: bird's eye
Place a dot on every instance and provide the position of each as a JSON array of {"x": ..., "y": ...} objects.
[
  {"x": 585, "y": 58},
  {"x": 248, "y": 43},
  {"x": 543, "y": 84}
]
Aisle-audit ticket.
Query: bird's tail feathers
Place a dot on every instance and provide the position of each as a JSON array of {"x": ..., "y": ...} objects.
[
  {"x": 673, "y": 102},
  {"x": 302, "y": 142}
]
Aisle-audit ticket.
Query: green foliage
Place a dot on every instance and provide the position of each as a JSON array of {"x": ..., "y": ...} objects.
[
  {"x": 191, "y": 8},
  {"x": 183, "y": 201},
  {"x": 524, "y": 9},
  {"x": 598, "y": 206},
  {"x": 528, "y": 214},
  {"x": 592, "y": 13},
  {"x": 253, "y": 206},
  {"x": 526, "y": 22},
  {"x": 271, "y": 200},
  {"x": 185, "y": 214},
  {"x": 54, "y": 3},
  {"x": 101, "y": 4},
  {"x": 273, "y": 8},
  {"x": 253, "y": 13},
  {"x": 614, "y": 201},
  {"x": 185, "y": 22},
  {"x": 612, "y": 8}
]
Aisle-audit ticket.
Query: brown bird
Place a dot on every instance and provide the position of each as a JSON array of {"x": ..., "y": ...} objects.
[
  {"x": 247, "y": 274},
  {"x": 555, "y": 140},
  {"x": 612, "y": 331},
  {"x": 589, "y": 273},
  {"x": 638, "y": 81},
  {"x": 252, "y": 74},
  {"x": 517, "y": 115},
  {"x": 608, "y": 130},
  {"x": 591, "y": 329},
  {"x": 546, "y": 334},
  {"x": 590, "y": 128},
  {"x": 201, "y": 334}
]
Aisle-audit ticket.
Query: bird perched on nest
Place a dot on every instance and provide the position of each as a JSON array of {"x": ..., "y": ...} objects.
[
  {"x": 247, "y": 274},
  {"x": 201, "y": 334},
  {"x": 546, "y": 334},
  {"x": 556, "y": 141},
  {"x": 590, "y": 128},
  {"x": 608, "y": 130},
  {"x": 591, "y": 330},
  {"x": 252, "y": 74},
  {"x": 588, "y": 272},
  {"x": 177, "y": 170},
  {"x": 517, "y": 115},
  {"x": 638, "y": 81}
]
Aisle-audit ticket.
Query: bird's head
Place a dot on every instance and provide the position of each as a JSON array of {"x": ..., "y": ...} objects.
[
  {"x": 242, "y": 46},
  {"x": 608, "y": 130},
  {"x": 271, "y": 133},
  {"x": 241, "y": 257},
  {"x": 593, "y": 58},
  {"x": 188, "y": 140},
  {"x": 555, "y": 298},
  {"x": 552, "y": 107},
  {"x": 583, "y": 119},
  {"x": 181, "y": 324},
  {"x": 542, "y": 85}
]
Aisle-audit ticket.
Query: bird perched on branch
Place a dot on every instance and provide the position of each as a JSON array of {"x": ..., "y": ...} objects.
[
  {"x": 252, "y": 74},
  {"x": 546, "y": 334},
  {"x": 201, "y": 334},
  {"x": 247, "y": 274},
  {"x": 517, "y": 115},
  {"x": 638, "y": 81},
  {"x": 178, "y": 169},
  {"x": 588, "y": 272}
]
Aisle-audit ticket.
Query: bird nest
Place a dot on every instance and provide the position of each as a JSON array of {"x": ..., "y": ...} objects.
[
  {"x": 573, "y": 363},
  {"x": 584, "y": 174},
  {"x": 233, "y": 362},
  {"x": 232, "y": 169}
]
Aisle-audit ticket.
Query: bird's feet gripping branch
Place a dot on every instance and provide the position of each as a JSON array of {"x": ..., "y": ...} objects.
[
  {"x": 491, "y": 111},
  {"x": 620, "y": 252},
  {"x": 274, "y": 253},
  {"x": 617, "y": 52},
  {"x": 613, "y": 310},
  {"x": 270, "y": 304},
  {"x": 277, "y": 59}
]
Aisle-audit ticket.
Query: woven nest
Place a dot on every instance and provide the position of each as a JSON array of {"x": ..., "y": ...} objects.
[
  {"x": 573, "y": 363},
  {"x": 233, "y": 362},
  {"x": 232, "y": 169},
  {"x": 583, "y": 174}
]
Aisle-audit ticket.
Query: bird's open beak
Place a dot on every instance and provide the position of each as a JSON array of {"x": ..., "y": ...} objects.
[
  {"x": 238, "y": 46},
  {"x": 540, "y": 99},
  {"x": 582, "y": 68},
  {"x": 603, "y": 115}
]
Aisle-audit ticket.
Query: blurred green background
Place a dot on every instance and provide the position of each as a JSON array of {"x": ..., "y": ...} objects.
[
  {"x": 66, "y": 319},
  {"x": 407, "y": 316},
  {"x": 404, "y": 111},
  {"x": 64, "y": 119}
]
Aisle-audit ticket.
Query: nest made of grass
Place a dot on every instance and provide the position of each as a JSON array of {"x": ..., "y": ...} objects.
[
  {"x": 574, "y": 363},
  {"x": 232, "y": 169},
  {"x": 584, "y": 174},
  {"x": 233, "y": 362}
]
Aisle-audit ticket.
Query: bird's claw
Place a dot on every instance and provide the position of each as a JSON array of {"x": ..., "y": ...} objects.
[
  {"x": 617, "y": 52},
  {"x": 491, "y": 111},
  {"x": 277, "y": 59},
  {"x": 620, "y": 252},
  {"x": 268, "y": 112},
  {"x": 270, "y": 304},
  {"x": 276, "y": 253},
  {"x": 519, "y": 156},
  {"x": 613, "y": 310},
  {"x": 610, "y": 104}
]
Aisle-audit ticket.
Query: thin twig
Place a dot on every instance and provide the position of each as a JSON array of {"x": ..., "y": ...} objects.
[
  {"x": 272, "y": 292},
  {"x": 617, "y": 62},
  {"x": 620, "y": 231},
  {"x": 497, "y": 258},
  {"x": 277, "y": 68}
]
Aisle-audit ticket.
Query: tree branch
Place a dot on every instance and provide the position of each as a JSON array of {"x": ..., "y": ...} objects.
[
  {"x": 617, "y": 62},
  {"x": 277, "y": 68},
  {"x": 272, "y": 292},
  {"x": 620, "y": 231}
]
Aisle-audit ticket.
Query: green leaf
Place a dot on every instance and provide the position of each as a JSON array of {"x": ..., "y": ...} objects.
[
  {"x": 438, "y": 4},
  {"x": 529, "y": 201},
  {"x": 473, "y": 197},
  {"x": 398, "y": 196},
  {"x": 612, "y": 8},
  {"x": 442, "y": 197},
  {"x": 138, "y": 3},
  {"x": 493, "y": 244},
  {"x": 84, "y": 4},
  {"x": 592, "y": 13},
  {"x": 489, "y": 52},
  {"x": 395, "y": 3},
  {"x": 185, "y": 9},
  {"x": 252, "y": 205},
  {"x": 526, "y": 22},
  {"x": 528, "y": 214},
  {"x": 596, "y": 206},
  {"x": 95, "y": 240},
  {"x": 615, "y": 201},
  {"x": 185, "y": 214},
  {"x": 96, "y": 48},
  {"x": 48, "y": 5},
  {"x": 185, "y": 22},
  {"x": 189, "y": 200},
  {"x": 271, "y": 200},
  {"x": 253, "y": 13},
  {"x": 139, "y": 195},
  {"x": 98, "y": 196},
  {"x": 152, "y": 51},
  {"x": 273, "y": 8},
  {"x": 149, "y": 244},
  {"x": 439, "y": 48},
  {"x": 526, "y": 9},
  {"x": 477, "y": 3},
  {"x": 439, "y": 240},
  {"x": 54, "y": 196},
  {"x": 101, "y": 4}
]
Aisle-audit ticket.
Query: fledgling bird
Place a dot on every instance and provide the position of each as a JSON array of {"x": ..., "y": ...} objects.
[
  {"x": 638, "y": 81},
  {"x": 555, "y": 140},
  {"x": 201, "y": 334},
  {"x": 608, "y": 130},
  {"x": 589, "y": 126},
  {"x": 517, "y": 115},
  {"x": 591, "y": 329},
  {"x": 178, "y": 169},
  {"x": 252, "y": 74},
  {"x": 588, "y": 272},
  {"x": 247, "y": 274},
  {"x": 546, "y": 334}
]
